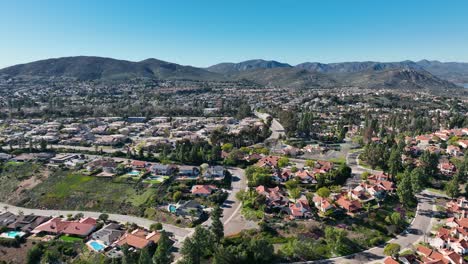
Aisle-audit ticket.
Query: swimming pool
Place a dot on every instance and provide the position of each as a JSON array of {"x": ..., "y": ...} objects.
[
  {"x": 134, "y": 173},
  {"x": 12, "y": 234},
  {"x": 172, "y": 208},
  {"x": 96, "y": 246}
]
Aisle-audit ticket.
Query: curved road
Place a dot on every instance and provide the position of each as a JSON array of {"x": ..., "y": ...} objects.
[{"x": 232, "y": 219}]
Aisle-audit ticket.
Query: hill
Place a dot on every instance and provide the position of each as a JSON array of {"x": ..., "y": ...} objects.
[
  {"x": 233, "y": 68},
  {"x": 98, "y": 68}
]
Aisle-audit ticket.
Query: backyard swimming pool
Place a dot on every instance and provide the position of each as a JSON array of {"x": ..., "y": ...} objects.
[
  {"x": 133, "y": 173},
  {"x": 96, "y": 246},
  {"x": 12, "y": 234}
]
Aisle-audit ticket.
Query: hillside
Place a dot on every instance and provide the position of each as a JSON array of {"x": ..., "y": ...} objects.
[
  {"x": 288, "y": 77},
  {"x": 233, "y": 68},
  {"x": 368, "y": 74},
  {"x": 97, "y": 68}
]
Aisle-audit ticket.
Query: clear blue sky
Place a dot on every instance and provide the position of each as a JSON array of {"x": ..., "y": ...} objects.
[{"x": 202, "y": 33}]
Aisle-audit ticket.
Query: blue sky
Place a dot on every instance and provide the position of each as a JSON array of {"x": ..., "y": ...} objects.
[{"x": 202, "y": 33}]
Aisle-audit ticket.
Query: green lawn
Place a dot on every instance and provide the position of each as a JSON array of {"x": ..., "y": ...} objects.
[{"x": 71, "y": 239}]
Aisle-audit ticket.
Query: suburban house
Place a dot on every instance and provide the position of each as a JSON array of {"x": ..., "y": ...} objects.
[
  {"x": 352, "y": 207},
  {"x": 323, "y": 204},
  {"x": 138, "y": 164},
  {"x": 447, "y": 168},
  {"x": 139, "y": 239},
  {"x": 188, "y": 171},
  {"x": 300, "y": 209},
  {"x": 305, "y": 176},
  {"x": 274, "y": 197},
  {"x": 163, "y": 169},
  {"x": 56, "y": 226},
  {"x": 189, "y": 209},
  {"x": 105, "y": 164},
  {"x": 27, "y": 223},
  {"x": 214, "y": 172},
  {"x": 203, "y": 190},
  {"x": 108, "y": 234},
  {"x": 7, "y": 218},
  {"x": 282, "y": 176},
  {"x": 268, "y": 161}
]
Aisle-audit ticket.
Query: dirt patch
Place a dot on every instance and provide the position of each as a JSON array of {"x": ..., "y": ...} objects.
[{"x": 15, "y": 255}]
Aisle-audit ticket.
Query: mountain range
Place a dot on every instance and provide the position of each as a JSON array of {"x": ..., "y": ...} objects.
[{"x": 424, "y": 74}]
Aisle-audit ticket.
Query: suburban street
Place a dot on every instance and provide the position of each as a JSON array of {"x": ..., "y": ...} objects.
[{"x": 276, "y": 128}]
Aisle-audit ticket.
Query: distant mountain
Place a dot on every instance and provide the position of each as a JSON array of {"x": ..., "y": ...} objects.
[
  {"x": 352, "y": 67},
  {"x": 288, "y": 77},
  {"x": 232, "y": 68},
  {"x": 395, "y": 78},
  {"x": 98, "y": 68},
  {"x": 456, "y": 72},
  {"x": 430, "y": 75}
]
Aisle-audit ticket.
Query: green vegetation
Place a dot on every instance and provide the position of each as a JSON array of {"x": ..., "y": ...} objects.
[{"x": 71, "y": 239}]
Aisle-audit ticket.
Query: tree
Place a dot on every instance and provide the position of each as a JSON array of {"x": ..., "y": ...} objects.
[
  {"x": 291, "y": 184},
  {"x": 261, "y": 251},
  {"x": 43, "y": 145},
  {"x": 392, "y": 249},
  {"x": 145, "y": 257},
  {"x": 227, "y": 147},
  {"x": 417, "y": 180},
  {"x": 176, "y": 196},
  {"x": 34, "y": 254},
  {"x": 156, "y": 227},
  {"x": 310, "y": 163},
  {"x": 103, "y": 217},
  {"x": 295, "y": 193},
  {"x": 405, "y": 190},
  {"x": 452, "y": 188},
  {"x": 394, "y": 162},
  {"x": 323, "y": 192},
  {"x": 283, "y": 162},
  {"x": 78, "y": 216},
  {"x": 429, "y": 162},
  {"x": 201, "y": 244},
  {"x": 335, "y": 238},
  {"x": 163, "y": 252},
  {"x": 217, "y": 226}
]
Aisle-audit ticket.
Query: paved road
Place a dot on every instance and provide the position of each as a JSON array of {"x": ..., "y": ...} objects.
[
  {"x": 178, "y": 232},
  {"x": 276, "y": 128}
]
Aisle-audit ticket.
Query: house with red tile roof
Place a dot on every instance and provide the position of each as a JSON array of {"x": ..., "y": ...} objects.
[
  {"x": 390, "y": 260},
  {"x": 57, "y": 226},
  {"x": 352, "y": 207},
  {"x": 463, "y": 143},
  {"x": 300, "y": 209},
  {"x": 323, "y": 204},
  {"x": 305, "y": 176},
  {"x": 139, "y": 238},
  {"x": 203, "y": 190},
  {"x": 447, "y": 168},
  {"x": 275, "y": 198},
  {"x": 268, "y": 161},
  {"x": 454, "y": 150},
  {"x": 138, "y": 164}
]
